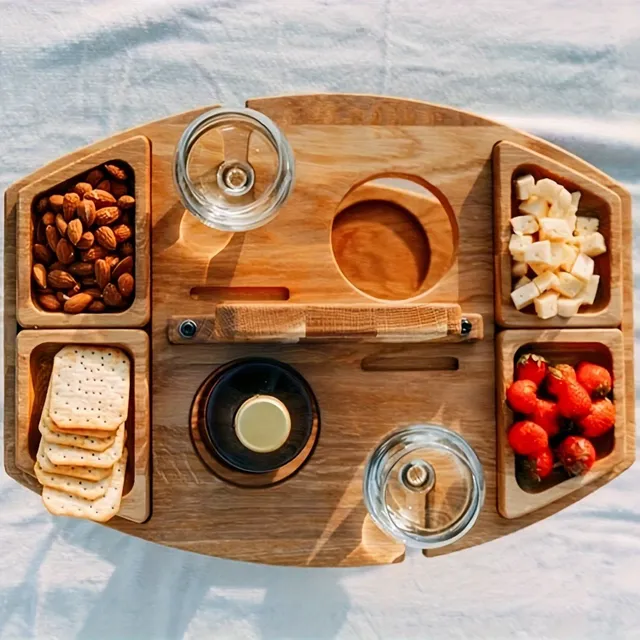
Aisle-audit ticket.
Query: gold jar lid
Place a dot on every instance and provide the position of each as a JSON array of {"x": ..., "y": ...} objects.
[{"x": 262, "y": 424}]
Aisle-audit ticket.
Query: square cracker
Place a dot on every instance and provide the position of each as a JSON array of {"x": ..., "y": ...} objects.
[
  {"x": 60, "y": 503},
  {"x": 88, "y": 433},
  {"x": 73, "y": 486},
  {"x": 66, "y": 456},
  {"x": 67, "y": 439},
  {"x": 90, "y": 387},
  {"x": 84, "y": 473}
]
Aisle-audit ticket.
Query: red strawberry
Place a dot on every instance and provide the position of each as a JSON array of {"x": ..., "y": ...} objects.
[
  {"x": 573, "y": 401},
  {"x": 595, "y": 379},
  {"x": 539, "y": 465},
  {"x": 521, "y": 396},
  {"x": 600, "y": 419},
  {"x": 546, "y": 415},
  {"x": 556, "y": 375},
  {"x": 577, "y": 455},
  {"x": 531, "y": 367},
  {"x": 527, "y": 438}
]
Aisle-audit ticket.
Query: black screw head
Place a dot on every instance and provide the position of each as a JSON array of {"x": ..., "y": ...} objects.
[
  {"x": 465, "y": 327},
  {"x": 187, "y": 328}
]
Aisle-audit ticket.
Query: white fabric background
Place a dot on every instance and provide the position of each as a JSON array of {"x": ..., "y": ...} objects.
[{"x": 75, "y": 72}]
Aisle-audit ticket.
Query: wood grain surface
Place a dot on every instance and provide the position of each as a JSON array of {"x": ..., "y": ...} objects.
[
  {"x": 35, "y": 353},
  {"x": 570, "y": 346},
  {"x": 317, "y": 517},
  {"x": 136, "y": 152}
]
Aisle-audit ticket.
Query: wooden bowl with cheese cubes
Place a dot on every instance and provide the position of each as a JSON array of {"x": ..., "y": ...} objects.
[{"x": 557, "y": 241}]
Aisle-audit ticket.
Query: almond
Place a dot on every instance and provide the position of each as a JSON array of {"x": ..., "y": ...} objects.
[
  {"x": 107, "y": 215},
  {"x": 124, "y": 266},
  {"x": 81, "y": 269},
  {"x": 126, "y": 202},
  {"x": 82, "y": 188},
  {"x": 89, "y": 282},
  {"x": 49, "y": 218},
  {"x": 118, "y": 189},
  {"x": 40, "y": 275},
  {"x": 60, "y": 280},
  {"x": 65, "y": 252},
  {"x": 112, "y": 260},
  {"x": 55, "y": 202},
  {"x": 96, "y": 307},
  {"x": 116, "y": 171},
  {"x": 69, "y": 205},
  {"x": 126, "y": 284},
  {"x": 94, "y": 292},
  {"x": 104, "y": 185},
  {"x": 53, "y": 237},
  {"x": 101, "y": 198},
  {"x": 41, "y": 232},
  {"x": 74, "y": 231},
  {"x": 102, "y": 273},
  {"x": 122, "y": 233},
  {"x": 42, "y": 205},
  {"x": 94, "y": 253},
  {"x": 49, "y": 302},
  {"x": 106, "y": 237},
  {"x": 95, "y": 176},
  {"x": 58, "y": 266},
  {"x": 112, "y": 297},
  {"x": 86, "y": 241},
  {"x": 86, "y": 210},
  {"x": 42, "y": 253},
  {"x": 78, "y": 303},
  {"x": 61, "y": 224},
  {"x": 126, "y": 249}
]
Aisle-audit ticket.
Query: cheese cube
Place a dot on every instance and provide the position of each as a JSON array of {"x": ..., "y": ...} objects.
[
  {"x": 588, "y": 294},
  {"x": 568, "y": 307},
  {"x": 524, "y": 225},
  {"x": 557, "y": 254},
  {"x": 563, "y": 199},
  {"x": 567, "y": 285},
  {"x": 524, "y": 186},
  {"x": 593, "y": 245},
  {"x": 547, "y": 189},
  {"x": 538, "y": 252},
  {"x": 575, "y": 199},
  {"x": 547, "y": 305},
  {"x": 583, "y": 267},
  {"x": 570, "y": 219},
  {"x": 519, "y": 269},
  {"x": 540, "y": 267},
  {"x": 586, "y": 225},
  {"x": 545, "y": 280},
  {"x": 517, "y": 245},
  {"x": 570, "y": 253},
  {"x": 554, "y": 229},
  {"x": 534, "y": 206},
  {"x": 524, "y": 280},
  {"x": 556, "y": 211},
  {"x": 525, "y": 295}
]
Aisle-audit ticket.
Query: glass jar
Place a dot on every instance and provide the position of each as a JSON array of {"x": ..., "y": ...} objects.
[
  {"x": 233, "y": 169},
  {"x": 424, "y": 486}
]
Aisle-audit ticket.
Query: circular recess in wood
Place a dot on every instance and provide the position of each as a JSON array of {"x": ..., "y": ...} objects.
[
  {"x": 393, "y": 238},
  {"x": 202, "y": 441}
]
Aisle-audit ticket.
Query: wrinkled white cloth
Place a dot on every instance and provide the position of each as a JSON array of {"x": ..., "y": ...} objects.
[{"x": 76, "y": 71}]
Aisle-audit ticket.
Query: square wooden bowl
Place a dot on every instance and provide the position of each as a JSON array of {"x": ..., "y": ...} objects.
[
  {"x": 570, "y": 346},
  {"x": 135, "y": 152},
  {"x": 36, "y": 351},
  {"x": 511, "y": 161}
]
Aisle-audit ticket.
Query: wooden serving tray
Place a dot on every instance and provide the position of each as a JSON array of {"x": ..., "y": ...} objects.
[{"x": 296, "y": 271}]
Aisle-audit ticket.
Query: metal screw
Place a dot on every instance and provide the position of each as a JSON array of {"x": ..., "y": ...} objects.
[
  {"x": 465, "y": 327},
  {"x": 187, "y": 329},
  {"x": 418, "y": 475}
]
